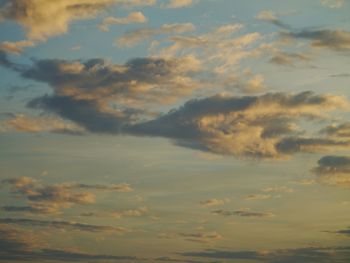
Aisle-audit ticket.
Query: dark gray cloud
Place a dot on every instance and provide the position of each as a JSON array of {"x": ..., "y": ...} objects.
[
  {"x": 243, "y": 213},
  {"x": 61, "y": 225},
  {"x": 302, "y": 255},
  {"x": 344, "y": 232}
]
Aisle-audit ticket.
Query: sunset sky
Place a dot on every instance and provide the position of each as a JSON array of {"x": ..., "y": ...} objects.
[{"x": 175, "y": 131}]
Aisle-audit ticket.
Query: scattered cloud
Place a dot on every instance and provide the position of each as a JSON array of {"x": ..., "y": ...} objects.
[
  {"x": 36, "y": 16},
  {"x": 333, "y": 170},
  {"x": 132, "y": 18}
]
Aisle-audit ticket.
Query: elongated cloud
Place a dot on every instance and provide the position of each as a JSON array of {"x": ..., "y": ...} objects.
[
  {"x": 60, "y": 225},
  {"x": 133, "y": 37},
  {"x": 338, "y": 40},
  {"x": 243, "y": 213},
  {"x": 47, "y": 199},
  {"x": 333, "y": 170},
  {"x": 178, "y": 3},
  {"x": 132, "y": 18}
]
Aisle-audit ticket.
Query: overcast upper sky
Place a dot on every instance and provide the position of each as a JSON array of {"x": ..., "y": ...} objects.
[{"x": 175, "y": 131}]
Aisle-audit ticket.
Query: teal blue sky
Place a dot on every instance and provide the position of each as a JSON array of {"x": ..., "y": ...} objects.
[{"x": 174, "y": 131}]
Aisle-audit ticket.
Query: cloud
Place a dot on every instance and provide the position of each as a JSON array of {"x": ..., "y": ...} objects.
[
  {"x": 18, "y": 245},
  {"x": 97, "y": 95},
  {"x": 341, "y": 75},
  {"x": 15, "y": 47},
  {"x": 247, "y": 126},
  {"x": 36, "y": 16},
  {"x": 288, "y": 59},
  {"x": 61, "y": 225},
  {"x": 132, "y": 38},
  {"x": 333, "y": 170},
  {"x": 130, "y": 213},
  {"x": 345, "y": 232},
  {"x": 332, "y": 3},
  {"x": 198, "y": 237},
  {"x": 302, "y": 255},
  {"x": 341, "y": 130},
  {"x": 24, "y": 123},
  {"x": 213, "y": 202},
  {"x": 337, "y": 40},
  {"x": 50, "y": 198},
  {"x": 109, "y": 98},
  {"x": 278, "y": 189},
  {"x": 178, "y": 3},
  {"x": 132, "y": 18},
  {"x": 219, "y": 50},
  {"x": 202, "y": 237},
  {"x": 243, "y": 213},
  {"x": 258, "y": 197},
  {"x": 270, "y": 16}
]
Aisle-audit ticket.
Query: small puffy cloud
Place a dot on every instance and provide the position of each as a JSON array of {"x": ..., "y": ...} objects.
[
  {"x": 132, "y": 38},
  {"x": 178, "y": 3},
  {"x": 36, "y": 16},
  {"x": 214, "y": 202},
  {"x": 15, "y": 47},
  {"x": 132, "y": 18},
  {"x": 333, "y": 170},
  {"x": 243, "y": 213}
]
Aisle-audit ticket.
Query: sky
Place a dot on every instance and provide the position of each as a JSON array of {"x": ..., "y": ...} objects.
[{"x": 175, "y": 131}]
